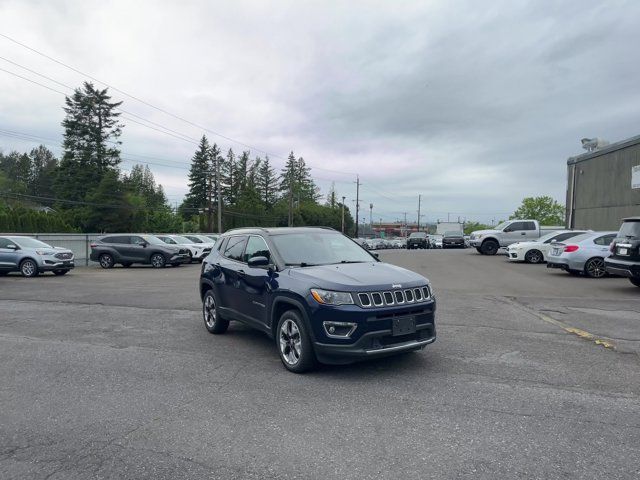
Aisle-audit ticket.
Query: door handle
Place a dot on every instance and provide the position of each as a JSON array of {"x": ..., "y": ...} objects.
[
  {"x": 523, "y": 233},
  {"x": 240, "y": 272}
]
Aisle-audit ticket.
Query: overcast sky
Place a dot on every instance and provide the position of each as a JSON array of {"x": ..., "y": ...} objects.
[{"x": 474, "y": 105}]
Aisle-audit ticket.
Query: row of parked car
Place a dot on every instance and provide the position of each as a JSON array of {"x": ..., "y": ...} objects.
[
  {"x": 417, "y": 240},
  {"x": 155, "y": 250},
  {"x": 32, "y": 257},
  {"x": 590, "y": 253}
]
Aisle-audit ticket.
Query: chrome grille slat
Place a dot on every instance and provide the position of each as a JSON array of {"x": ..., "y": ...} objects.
[{"x": 408, "y": 296}]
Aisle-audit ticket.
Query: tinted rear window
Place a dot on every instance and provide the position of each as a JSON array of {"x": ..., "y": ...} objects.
[{"x": 630, "y": 229}]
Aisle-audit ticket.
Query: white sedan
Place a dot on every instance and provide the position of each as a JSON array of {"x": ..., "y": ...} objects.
[{"x": 536, "y": 251}]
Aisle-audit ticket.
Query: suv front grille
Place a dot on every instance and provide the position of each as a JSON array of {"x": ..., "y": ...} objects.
[
  {"x": 64, "y": 256},
  {"x": 395, "y": 297}
]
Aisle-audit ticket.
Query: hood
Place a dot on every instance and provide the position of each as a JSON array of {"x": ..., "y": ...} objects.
[
  {"x": 484, "y": 232},
  {"x": 357, "y": 276}
]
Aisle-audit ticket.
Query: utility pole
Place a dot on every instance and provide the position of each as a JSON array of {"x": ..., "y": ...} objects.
[
  {"x": 219, "y": 194},
  {"x": 290, "y": 222},
  {"x": 357, "y": 202},
  {"x": 210, "y": 205},
  {"x": 405, "y": 224},
  {"x": 419, "y": 200},
  {"x": 343, "y": 199},
  {"x": 371, "y": 218}
]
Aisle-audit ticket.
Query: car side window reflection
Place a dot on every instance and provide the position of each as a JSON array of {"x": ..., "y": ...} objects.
[
  {"x": 4, "y": 243},
  {"x": 256, "y": 247},
  {"x": 235, "y": 247}
]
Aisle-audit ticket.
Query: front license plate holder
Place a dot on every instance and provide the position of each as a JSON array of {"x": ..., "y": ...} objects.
[
  {"x": 623, "y": 251},
  {"x": 403, "y": 326}
]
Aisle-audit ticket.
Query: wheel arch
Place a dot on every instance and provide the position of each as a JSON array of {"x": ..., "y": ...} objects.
[{"x": 283, "y": 304}]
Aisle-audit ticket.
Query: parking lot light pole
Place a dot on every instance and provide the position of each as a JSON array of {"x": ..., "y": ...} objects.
[{"x": 343, "y": 199}]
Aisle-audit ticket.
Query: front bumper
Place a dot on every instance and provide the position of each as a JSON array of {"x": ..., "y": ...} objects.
[
  {"x": 623, "y": 268},
  {"x": 47, "y": 264},
  {"x": 373, "y": 336},
  {"x": 515, "y": 255},
  {"x": 475, "y": 242},
  {"x": 453, "y": 244},
  {"x": 179, "y": 258}
]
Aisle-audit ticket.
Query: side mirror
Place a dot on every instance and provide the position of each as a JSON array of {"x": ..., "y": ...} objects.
[
  {"x": 144, "y": 244},
  {"x": 258, "y": 262}
]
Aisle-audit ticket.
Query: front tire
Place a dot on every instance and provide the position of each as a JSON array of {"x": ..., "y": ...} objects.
[
  {"x": 213, "y": 322},
  {"x": 534, "y": 256},
  {"x": 594, "y": 268},
  {"x": 294, "y": 344},
  {"x": 157, "y": 260},
  {"x": 489, "y": 247},
  {"x": 29, "y": 268}
]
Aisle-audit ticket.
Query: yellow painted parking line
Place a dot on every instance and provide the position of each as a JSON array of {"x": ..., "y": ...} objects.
[{"x": 568, "y": 328}]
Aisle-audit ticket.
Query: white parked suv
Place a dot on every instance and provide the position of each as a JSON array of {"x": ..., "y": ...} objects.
[
  {"x": 197, "y": 251},
  {"x": 488, "y": 242},
  {"x": 536, "y": 251}
]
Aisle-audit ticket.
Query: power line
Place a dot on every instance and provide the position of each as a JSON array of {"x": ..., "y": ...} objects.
[{"x": 162, "y": 110}]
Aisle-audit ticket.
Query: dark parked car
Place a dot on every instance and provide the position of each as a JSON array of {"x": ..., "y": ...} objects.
[
  {"x": 453, "y": 240},
  {"x": 129, "y": 249},
  {"x": 418, "y": 240},
  {"x": 625, "y": 252},
  {"x": 317, "y": 293}
]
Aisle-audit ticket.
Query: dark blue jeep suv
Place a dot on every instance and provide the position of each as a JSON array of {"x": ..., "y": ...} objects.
[{"x": 317, "y": 293}]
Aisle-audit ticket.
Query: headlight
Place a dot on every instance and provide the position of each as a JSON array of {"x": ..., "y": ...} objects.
[
  {"x": 44, "y": 252},
  {"x": 327, "y": 297}
]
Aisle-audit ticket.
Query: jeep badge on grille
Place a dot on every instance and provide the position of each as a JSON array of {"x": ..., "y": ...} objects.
[{"x": 396, "y": 285}]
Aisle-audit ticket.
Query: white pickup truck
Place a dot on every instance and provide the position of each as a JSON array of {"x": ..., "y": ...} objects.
[{"x": 488, "y": 242}]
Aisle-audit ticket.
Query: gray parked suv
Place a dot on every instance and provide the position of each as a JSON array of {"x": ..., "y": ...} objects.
[
  {"x": 129, "y": 249},
  {"x": 31, "y": 257}
]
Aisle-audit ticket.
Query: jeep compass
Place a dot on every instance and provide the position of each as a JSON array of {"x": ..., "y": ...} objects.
[{"x": 317, "y": 293}]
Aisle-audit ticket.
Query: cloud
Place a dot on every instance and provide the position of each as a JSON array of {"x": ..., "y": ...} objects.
[{"x": 472, "y": 105}]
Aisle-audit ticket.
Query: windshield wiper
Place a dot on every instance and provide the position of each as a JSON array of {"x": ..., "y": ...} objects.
[
  {"x": 352, "y": 261},
  {"x": 302, "y": 264}
]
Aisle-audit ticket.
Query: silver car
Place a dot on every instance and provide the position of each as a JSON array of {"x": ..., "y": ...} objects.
[
  {"x": 31, "y": 257},
  {"x": 582, "y": 254}
]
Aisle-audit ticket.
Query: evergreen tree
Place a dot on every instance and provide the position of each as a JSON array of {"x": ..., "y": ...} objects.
[
  {"x": 92, "y": 130},
  {"x": 229, "y": 178},
  {"x": 332, "y": 199},
  {"x": 267, "y": 184},
  {"x": 199, "y": 177},
  {"x": 43, "y": 169}
]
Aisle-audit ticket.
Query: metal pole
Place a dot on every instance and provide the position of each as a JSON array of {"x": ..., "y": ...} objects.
[
  {"x": 343, "y": 199},
  {"x": 371, "y": 218},
  {"x": 357, "y": 203},
  {"x": 219, "y": 194},
  {"x": 419, "y": 200}
]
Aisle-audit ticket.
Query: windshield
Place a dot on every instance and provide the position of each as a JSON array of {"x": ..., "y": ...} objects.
[
  {"x": 500, "y": 226},
  {"x": 179, "y": 239},
  {"x": 548, "y": 236},
  {"x": 630, "y": 229},
  {"x": 452, "y": 234},
  {"x": 418, "y": 235},
  {"x": 27, "y": 242},
  {"x": 151, "y": 240},
  {"x": 306, "y": 249},
  {"x": 193, "y": 238}
]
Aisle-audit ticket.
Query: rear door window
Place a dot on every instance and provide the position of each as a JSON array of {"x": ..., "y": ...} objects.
[
  {"x": 529, "y": 226},
  {"x": 605, "y": 240},
  {"x": 235, "y": 248},
  {"x": 117, "y": 240}
]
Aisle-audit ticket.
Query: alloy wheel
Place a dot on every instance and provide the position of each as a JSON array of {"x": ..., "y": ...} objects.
[
  {"x": 28, "y": 268},
  {"x": 157, "y": 261},
  {"x": 290, "y": 342},
  {"x": 595, "y": 268},
  {"x": 209, "y": 311}
]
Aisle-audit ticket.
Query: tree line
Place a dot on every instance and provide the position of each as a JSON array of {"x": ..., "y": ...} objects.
[{"x": 86, "y": 190}]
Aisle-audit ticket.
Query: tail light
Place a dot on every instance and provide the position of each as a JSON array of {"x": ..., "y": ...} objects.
[{"x": 571, "y": 248}]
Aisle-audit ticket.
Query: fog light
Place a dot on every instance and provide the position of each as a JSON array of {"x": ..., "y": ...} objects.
[{"x": 339, "y": 329}]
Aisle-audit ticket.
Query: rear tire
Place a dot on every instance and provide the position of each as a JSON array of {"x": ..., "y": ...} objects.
[
  {"x": 294, "y": 344},
  {"x": 157, "y": 260},
  {"x": 106, "y": 260},
  {"x": 213, "y": 322},
  {"x": 534, "y": 256},
  {"x": 489, "y": 247},
  {"x": 29, "y": 268},
  {"x": 594, "y": 268},
  {"x": 635, "y": 281}
]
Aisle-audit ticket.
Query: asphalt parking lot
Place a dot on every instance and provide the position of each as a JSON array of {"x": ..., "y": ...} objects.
[{"x": 111, "y": 374}]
